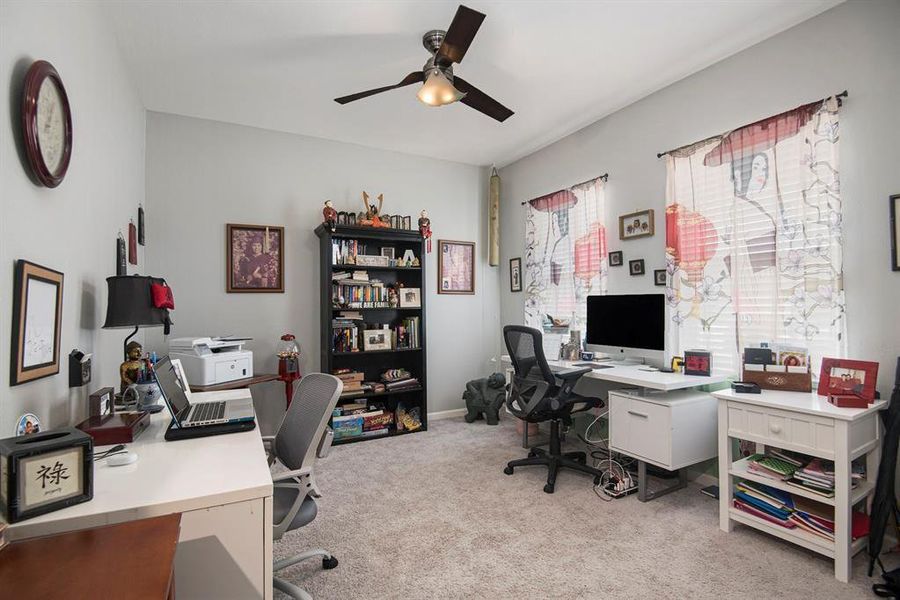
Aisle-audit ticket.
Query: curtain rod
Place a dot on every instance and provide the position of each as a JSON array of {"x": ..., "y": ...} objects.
[
  {"x": 843, "y": 94},
  {"x": 604, "y": 177}
]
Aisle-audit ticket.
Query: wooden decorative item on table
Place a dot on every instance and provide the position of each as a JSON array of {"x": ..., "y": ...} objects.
[
  {"x": 36, "y": 322},
  {"x": 46, "y": 124},
  {"x": 778, "y": 379}
]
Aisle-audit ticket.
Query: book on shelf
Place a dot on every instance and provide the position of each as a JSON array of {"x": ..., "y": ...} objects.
[
  {"x": 747, "y": 508},
  {"x": 412, "y": 382},
  {"x": 770, "y": 466}
]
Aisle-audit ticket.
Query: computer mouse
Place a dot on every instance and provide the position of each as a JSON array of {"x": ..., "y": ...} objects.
[{"x": 119, "y": 460}]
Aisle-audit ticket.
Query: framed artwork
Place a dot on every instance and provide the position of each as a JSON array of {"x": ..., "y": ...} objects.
[
  {"x": 376, "y": 339},
  {"x": 36, "y": 322},
  {"x": 895, "y": 232},
  {"x": 636, "y": 225},
  {"x": 515, "y": 274},
  {"x": 456, "y": 267},
  {"x": 636, "y": 267},
  {"x": 659, "y": 277},
  {"x": 615, "y": 259},
  {"x": 410, "y": 297},
  {"x": 841, "y": 376},
  {"x": 389, "y": 252},
  {"x": 406, "y": 222},
  {"x": 254, "y": 258}
]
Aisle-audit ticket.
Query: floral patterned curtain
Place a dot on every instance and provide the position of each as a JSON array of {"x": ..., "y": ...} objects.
[
  {"x": 753, "y": 238},
  {"x": 565, "y": 258}
]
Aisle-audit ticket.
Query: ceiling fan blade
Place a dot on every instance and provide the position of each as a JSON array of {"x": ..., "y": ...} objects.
[
  {"x": 459, "y": 36},
  {"x": 480, "y": 101},
  {"x": 414, "y": 77}
]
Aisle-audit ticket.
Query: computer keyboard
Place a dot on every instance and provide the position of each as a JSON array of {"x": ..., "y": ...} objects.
[{"x": 207, "y": 411}]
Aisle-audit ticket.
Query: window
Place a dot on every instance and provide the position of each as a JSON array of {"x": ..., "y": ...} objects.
[
  {"x": 753, "y": 238},
  {"x": 565, "y": 259}
]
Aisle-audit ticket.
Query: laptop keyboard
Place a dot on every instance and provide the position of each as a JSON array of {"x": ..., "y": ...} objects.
[{"x": 207, "y": 411}]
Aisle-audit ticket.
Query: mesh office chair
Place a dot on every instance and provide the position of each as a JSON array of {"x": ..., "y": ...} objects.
[
  {"x": 537, "y": 394},
  {"x": 299, "y": 439}
]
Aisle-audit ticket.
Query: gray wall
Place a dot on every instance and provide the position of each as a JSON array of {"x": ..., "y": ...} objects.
[
  {"x": 73, "y": 227},
  {"x": 203, "y": 174},
  {"x": 854, "y": 46}
]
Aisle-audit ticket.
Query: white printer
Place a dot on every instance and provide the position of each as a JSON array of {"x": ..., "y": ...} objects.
[{"x": 210, "y": 361}]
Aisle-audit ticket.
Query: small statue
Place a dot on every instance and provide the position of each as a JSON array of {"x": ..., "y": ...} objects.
[
  {"x": 425, "y": 229},
  {"x": 330, "y": 215},
  {"x": 129, "y": 371},
  {"x": 571, "y": 350},
  {"x": 485, "y": 396},
  {"x": 371, "y": 217},
  {"x": 393, "y": 298}
]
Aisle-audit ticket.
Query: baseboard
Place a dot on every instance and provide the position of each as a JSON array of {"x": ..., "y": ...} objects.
[{"x": 446, "y": 414}]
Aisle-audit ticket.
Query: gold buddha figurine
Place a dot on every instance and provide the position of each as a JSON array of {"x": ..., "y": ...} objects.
[{"x": 131, "y": 368}]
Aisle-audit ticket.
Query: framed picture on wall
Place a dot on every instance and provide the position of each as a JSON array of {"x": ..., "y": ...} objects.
[
  {"x": 456, "y": 267},
  {"x": 255, "y": 258},
  {"x": 895, "y": 232},
  {"x": 636, "y": 267},
  {"x": 636, "y": 225},
  {"x": 615, "y": 258},
  {"x": 659, "y": 277},
  {"x": 515, "y": 274},
  {"x": 36, "y": 322}
]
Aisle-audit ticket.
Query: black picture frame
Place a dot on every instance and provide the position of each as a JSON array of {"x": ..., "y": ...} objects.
[
  {"x": 636, "y": 267},
  {"x": 515, "y": 274},
  {"x": 895, "y": 232},
  {"x": 27, "y": 337},
  {"x": 659, "y": 277},
  {"x": 407, "y": 222},
  {"x": 616, "y": 259}
]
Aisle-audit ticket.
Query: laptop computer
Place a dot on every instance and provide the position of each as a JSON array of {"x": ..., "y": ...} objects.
[{"x": 199, "y": 418}]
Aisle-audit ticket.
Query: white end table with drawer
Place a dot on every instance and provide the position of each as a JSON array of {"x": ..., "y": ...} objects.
[
  {"x": 805, "y": 423},
  {"x": 672, "y": 430}
]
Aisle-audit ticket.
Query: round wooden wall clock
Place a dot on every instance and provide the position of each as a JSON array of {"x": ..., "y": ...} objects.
[{"x": 46, "y": 124}]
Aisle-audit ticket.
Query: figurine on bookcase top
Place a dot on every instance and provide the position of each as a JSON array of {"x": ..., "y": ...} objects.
[
  {"x": 485, "y": 396},
  {"x": 330, "y": 215},
  {"x": 425, "y": 229},
  {"x": 131, "y": 368},
  {"x": 372, "y": 219}
]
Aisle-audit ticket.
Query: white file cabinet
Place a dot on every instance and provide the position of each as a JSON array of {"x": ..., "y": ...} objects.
[{"x": 672, "y": 430}]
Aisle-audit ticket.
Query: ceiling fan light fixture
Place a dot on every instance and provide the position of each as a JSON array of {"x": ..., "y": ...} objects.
[{"x": 437, "y": 90}]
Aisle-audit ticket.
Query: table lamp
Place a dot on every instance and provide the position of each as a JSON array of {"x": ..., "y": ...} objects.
[{"x": 130, "y": 304}]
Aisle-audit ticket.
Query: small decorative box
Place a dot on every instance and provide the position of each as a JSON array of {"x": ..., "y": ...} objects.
[{"x": 44, "y": 472}]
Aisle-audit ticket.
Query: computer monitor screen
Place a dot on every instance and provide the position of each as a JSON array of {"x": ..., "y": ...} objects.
[
  {"x": 627, "y": 321},
  {"x": 171, "y": 386}
]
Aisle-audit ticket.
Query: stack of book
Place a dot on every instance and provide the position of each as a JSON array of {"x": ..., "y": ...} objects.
[
  {"x": 344, "y": 252},
  {"x": 773, "y": 465},
  {"x": 399, "y": 379},
  {"x": 353, "y": 382},
  {"x": 406, "y": 335},
  {"x": 767, "y": 503},
  {"x": 346, "y": 334},
  {"x": 356, "y": 290},
  {"x": 360, "y": 420}
]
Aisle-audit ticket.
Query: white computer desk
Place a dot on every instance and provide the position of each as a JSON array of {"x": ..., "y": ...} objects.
[{"x": 222, "y": 487}]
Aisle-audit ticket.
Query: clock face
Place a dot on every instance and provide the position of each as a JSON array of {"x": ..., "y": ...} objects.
[{"x": 51, "y": 127}]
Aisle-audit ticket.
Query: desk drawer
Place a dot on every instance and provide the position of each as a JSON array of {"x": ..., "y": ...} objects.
[
  {"x": 641, "y": 429},
  {"x": 791, "y": 430}
]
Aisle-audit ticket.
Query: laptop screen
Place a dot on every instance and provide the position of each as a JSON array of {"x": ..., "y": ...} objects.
[{"x": 170, "y": 385}]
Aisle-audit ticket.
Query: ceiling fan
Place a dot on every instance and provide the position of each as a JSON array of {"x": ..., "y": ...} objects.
[{"x": 441, "y": 87}]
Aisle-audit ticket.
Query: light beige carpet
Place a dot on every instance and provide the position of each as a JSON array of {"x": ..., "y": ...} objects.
[{"x": 432, "y": 515}]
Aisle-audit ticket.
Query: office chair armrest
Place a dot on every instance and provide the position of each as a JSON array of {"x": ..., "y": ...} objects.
[
  {"x": 572, "y": 374},
  {"x": 295, "y": 474},
  {"x": 570, "y": 378}
]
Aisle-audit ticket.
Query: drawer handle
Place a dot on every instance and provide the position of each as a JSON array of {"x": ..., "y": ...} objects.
[
  {"x": 637, "y": 414},
  {"x": 775, "y": 428}
]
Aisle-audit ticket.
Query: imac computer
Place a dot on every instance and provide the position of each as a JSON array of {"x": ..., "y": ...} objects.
[{"x": 630, "y": 328}]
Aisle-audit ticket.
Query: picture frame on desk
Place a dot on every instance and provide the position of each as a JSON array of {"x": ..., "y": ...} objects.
[{"x": 840, "y": 376}]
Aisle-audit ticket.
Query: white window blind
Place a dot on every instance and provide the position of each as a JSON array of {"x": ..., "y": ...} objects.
[{"x": 753, "y": 238}]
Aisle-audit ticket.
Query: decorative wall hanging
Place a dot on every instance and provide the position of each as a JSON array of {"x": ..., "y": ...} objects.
[
  {"x": 140, "y": 227},
  {"x": 636, "y": 267},
  {"x": 895, "y": 232},
  {"x": 121, "y": 257},
  {"x": 616, "y": 259},
  {"x": 132, "y": 243},
  {"x": 255, "y": 258},
  {"x": 456, "y": 267},
  {"x": 494, "y": 219},
  {"x": 36, "y": 322},
  {"x": 659, "y": 277},
  {"x": 46, "y": 124},
  {"x": 636, "y": 225},
  {"x": 515, "y": 275}
]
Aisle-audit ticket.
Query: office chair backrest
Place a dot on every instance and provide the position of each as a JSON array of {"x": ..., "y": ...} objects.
[
  {"x": 526, "y": 351},
  {"x": 305, "y": 421}
]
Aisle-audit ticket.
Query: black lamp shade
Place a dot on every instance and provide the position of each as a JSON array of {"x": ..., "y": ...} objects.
[{"x": 130, "y": 303}]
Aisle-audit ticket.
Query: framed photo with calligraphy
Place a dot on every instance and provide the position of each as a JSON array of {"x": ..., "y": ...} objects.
[
  {"x": 255, "y": 258},
  {"x": 456, "y": 267}
]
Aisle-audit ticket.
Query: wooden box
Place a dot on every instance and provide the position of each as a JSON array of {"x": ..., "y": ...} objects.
[
  {"x": 117, "y": 428},
  {"x": 780, "y": 380}
]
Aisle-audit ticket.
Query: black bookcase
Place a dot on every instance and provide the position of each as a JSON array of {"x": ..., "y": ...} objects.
[{"x": 374, "y": 362}]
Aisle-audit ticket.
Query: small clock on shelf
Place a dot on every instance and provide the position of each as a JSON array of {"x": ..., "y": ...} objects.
[{"x": 46, "y": 124}]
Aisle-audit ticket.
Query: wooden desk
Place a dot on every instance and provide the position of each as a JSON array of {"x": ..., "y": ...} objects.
[
  {"x": 129, "y": 560},
  {"x": 220, "y": 484},
  {"x": 236, "y": 384},
  {"x": 806, "y": 423}
]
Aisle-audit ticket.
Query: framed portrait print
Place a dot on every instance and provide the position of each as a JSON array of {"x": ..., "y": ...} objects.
[
  {"x": 636, "y": 225},
  {"x": 410, "y": 297},
  {"x": 615, "y": 258},
  {"x": 36, "y": 323},
  {"x": 254, "y": 258},
  {"x": 659, "y": 277},
  {"x": 895, "y": 232},
  {"x": 515, "y": 274},
  {"x": 636, "y": 267},
  {"x": 456, "y": 267}
]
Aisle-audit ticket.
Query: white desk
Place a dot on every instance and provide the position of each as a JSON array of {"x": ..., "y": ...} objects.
[
  {"x": 639, "y": 376},
  {"x": 806, "y": 423},
  {"x": 221, "y": 485}
]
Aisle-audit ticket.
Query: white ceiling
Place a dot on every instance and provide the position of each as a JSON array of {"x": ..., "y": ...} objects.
[{"x": 558, "y": 65}]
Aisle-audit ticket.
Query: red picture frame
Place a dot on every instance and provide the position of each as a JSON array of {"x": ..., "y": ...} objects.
[{"x": 839, "y": 376}]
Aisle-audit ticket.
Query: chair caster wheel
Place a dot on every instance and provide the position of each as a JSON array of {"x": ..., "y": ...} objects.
[
  {"x": 329, "y": 563},
  {"x": 532, "y": 454},
  {"x": 597, "y": 480},
  {"x": 548, "y": 488},
  {"x": 508, "y": 470}
]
